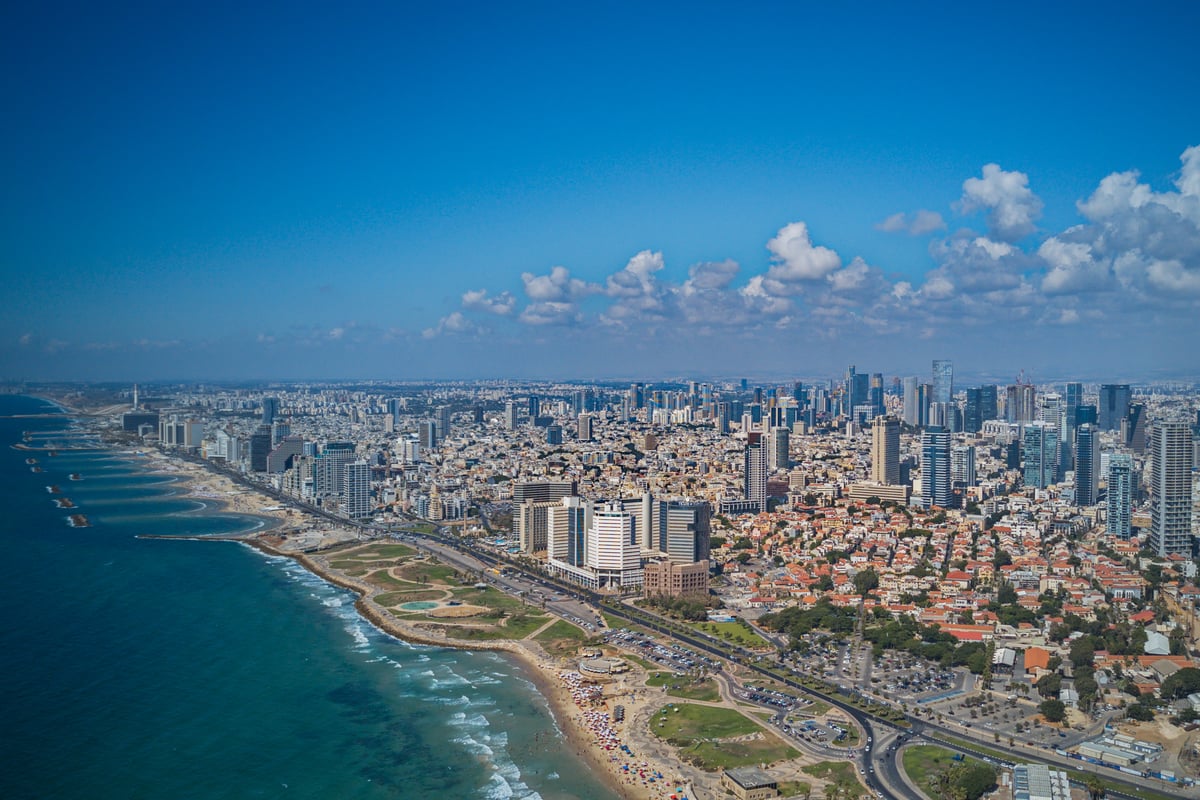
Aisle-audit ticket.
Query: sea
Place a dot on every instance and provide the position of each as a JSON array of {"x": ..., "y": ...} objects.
[{"x": 151, "y": 668}]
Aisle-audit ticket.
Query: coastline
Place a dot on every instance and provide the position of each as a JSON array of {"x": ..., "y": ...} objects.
[{"x": 303, "y": 533}]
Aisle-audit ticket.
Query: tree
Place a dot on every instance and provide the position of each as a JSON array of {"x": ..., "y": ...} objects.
[
  {"x": 1181, "y": 684},
  {"x": 1083, "y": 650},
  {"x": 1049, "y": 685},
  {"x": 1140, "y": 712},
  {"x": 865, "y": 580},
  {"x": 1095, "y": 786},
  {"x": 1053, "y": 710}
]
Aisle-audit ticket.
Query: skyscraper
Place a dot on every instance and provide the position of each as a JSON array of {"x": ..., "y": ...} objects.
[
  {"x": 943, "y": 381},
  {"x": 962, "y": 466},
  {"x": 935, "y": 468},
  {"x": 885, "y": 450},
  {"x": 778, "y": 456},
  {"x": 270, "y": 408},
  {"x": 1085, "y": 465},
  {"x": 1040, "y": 453},
  {"x": 585, "y": 427},
  {"x": 1133, "y": 428},
  {"x": 1114, "y": 405},
  {"x": 356, "y": 489},
  {"x": 427, "y": 434},
  {"x": 912, "y": 413},
  {"x": 755, "y": 475},
  {"x": 443, "y": 422},
  {"x": 1171, "y": 488},
  {"x": 511, "y": 415},
  {"x": 1120, "y": 495}
]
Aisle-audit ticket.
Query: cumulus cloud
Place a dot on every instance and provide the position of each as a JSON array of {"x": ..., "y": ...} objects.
[
  {"x": 1012, "y": 206},
  {"x": 550, "y": 312},
  {"x": 478, "y": 300},
  {"x": 1073, "y": 267},
  {"x": 917, "y": 224},
  {"x": 558, "y": 285},
  {"x": 453, "y": 323},
  {"x": 796, "y": 259}
]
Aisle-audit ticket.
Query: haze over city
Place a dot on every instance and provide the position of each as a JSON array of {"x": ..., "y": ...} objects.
[{"x": 626, "y": 192}]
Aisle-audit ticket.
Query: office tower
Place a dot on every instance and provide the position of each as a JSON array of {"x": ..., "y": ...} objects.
[
  {"x": 477, "y": 414},
  {"x": 857, "y": 390},
  {"x": 755, "y": 472},
  {"x": 1074, "y": 395},
  {"x": 723, "y": 410},
  {"x": 962, "y": 465},
  {"x": 554, "y": 434},
  {"x": 973, "y": 411},
  {"x": 394, "y": 406},
  {"x": 1020, "y": 402},
  {"x": 410, "y": 450},
  {"x": 260, "y": 448},
  {"x": 510, "y": 415},
  {"x": 585, "y": 427},
  {"x": 778, "y": 456},
  {"x": 542, "y": 491},
  {"x": 1113, "y": 405},
  {"x": 534, "y": 407},
  {"x": 389, "y": 423},
  {"x": 875, "y": 394},
  {"x": 682, "y": 530},
  {"x": 1133, "y": 428},
  {"x": 613, "y": 553},
  {"x": 943, "y": 381},
  {"x": 1121, "y": 480},
  {"x": 935, "y": 468},
  {"x": 270, "y": 409},
  {"x": 329, "y": 471},
  {"x": 943, "y": 415},
  {"x": 443, "y": 422},
  {"x": 1170, "y": 488},
  {"x": 1041, "y": 454},
  {"x": 427, "y": 434},
  {"x": 1085, "y": 415},
  {"x": 531, "y": 523},
  {"x": 1085, "y": 465},
  {"x": 885, "y": 450},
  {"x": 566, "y": 535},
  {"x": 356, "y": 489},
  {"x": 280, "y": 458}
]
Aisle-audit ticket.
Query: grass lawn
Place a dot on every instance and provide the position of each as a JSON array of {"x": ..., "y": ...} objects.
[
  {"x": 433, "y": 573},
  {"x": 380, "y": 551},
  {"x": 712, "y": 756},
  {"x": 840, "y": 773},
  {"x": 851, "y": 738},
  {"x": 922, "y": 761},
  {"x": 704, "y": 690},
  {"x": 517, "y": 628},
  {"x": 639, "y": 660},
  {"x": 733, "y": 632},
  {"x": 402, "y": 596},
  {"x": 561, "y": 639},
  {"x": 687, "y": 721}
]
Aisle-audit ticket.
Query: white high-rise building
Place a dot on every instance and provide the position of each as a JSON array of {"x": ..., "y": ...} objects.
[
  {"x": 614, "y": 553},
  {"x": 1170, "y": 456},
  {"x": 356, "y": 489}
]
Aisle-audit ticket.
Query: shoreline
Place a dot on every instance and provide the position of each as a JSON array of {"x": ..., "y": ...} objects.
[{"x": 542, "y": 670}]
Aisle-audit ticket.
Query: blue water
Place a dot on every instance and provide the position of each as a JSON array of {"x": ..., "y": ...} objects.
[{"x": 137, "y": 668}]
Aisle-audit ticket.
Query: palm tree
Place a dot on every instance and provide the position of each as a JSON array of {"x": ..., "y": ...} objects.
[{"x": 1095, "y": 786}]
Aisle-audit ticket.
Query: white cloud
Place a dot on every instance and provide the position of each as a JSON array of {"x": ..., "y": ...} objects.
[
  {"x": 558, "y": 285},
  {"x": 453, "y": 323},
  {"x": 1072, "y": 267},
  {"x": 920, "y": 223},
  {"x": 478, "y": 300},
  {"x": 637, "y": 278},
  {"x": 1012, "y": 207},
  {"x": 550, "y": 312},
  {"x": 796, "y": 259}
]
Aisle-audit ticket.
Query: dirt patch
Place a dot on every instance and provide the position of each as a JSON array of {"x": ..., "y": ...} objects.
[{"x": 456, "y": 611}]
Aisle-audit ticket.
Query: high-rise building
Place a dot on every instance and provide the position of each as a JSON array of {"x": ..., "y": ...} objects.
[
  {"x": 1121, "y": 480},
  {"x": 542, "y": 491},
  {"x": 427, "y": 434},
  {"x": 280, "y": 458},
  {"x": 531, "y": 520},
  {"x": 1171, "y": 488},
  {"x": 585, "y": 427},
  {"x": 980, "y": 407},
  {"x": 755, "y": 474},
  {"x": 1085, "y": 465},
  {"x": 885, "y": 450},
  {"x": 554, "y": 434},
  {"x": 943, "y": 381},
  {"x": 511, "y": 415},
  {"x": 1020, "y": 402},
  {"x": 912, "y": 413},
  {"x": 613, "y": 555},
  {"x": 443, "y": 423},
  {"x": 260, "y": 447},
  {"x": 962, "y": 466},
  {"x": 935, "y": 468},
  {"x": 356, "y": 489},
  {"x": 1040, "y": 453},
  {"x": 778, "y": 455},
  {"x": 270, "y": 409},
  {"x": 723, "y": 410},
  {"x": 1113, "y": 405},
  {"x": 682, "y": 529},
  {"x": 567, "y": 526},
  {"x": 1133, "y": 428}
]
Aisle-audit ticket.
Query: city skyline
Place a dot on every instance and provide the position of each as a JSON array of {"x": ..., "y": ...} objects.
[{"x": 546, "y": 193}]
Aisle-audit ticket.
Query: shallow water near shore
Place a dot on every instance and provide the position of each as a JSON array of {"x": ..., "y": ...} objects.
[{"x": 151, "y": 668}]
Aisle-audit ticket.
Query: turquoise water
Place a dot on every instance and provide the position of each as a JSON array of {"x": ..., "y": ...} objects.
[
  {"x": 418, "y": 605},
  {"x": 139, "y": 668}
]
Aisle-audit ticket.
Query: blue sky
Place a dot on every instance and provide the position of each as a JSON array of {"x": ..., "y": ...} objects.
[{"x": 474, "y": 190}]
